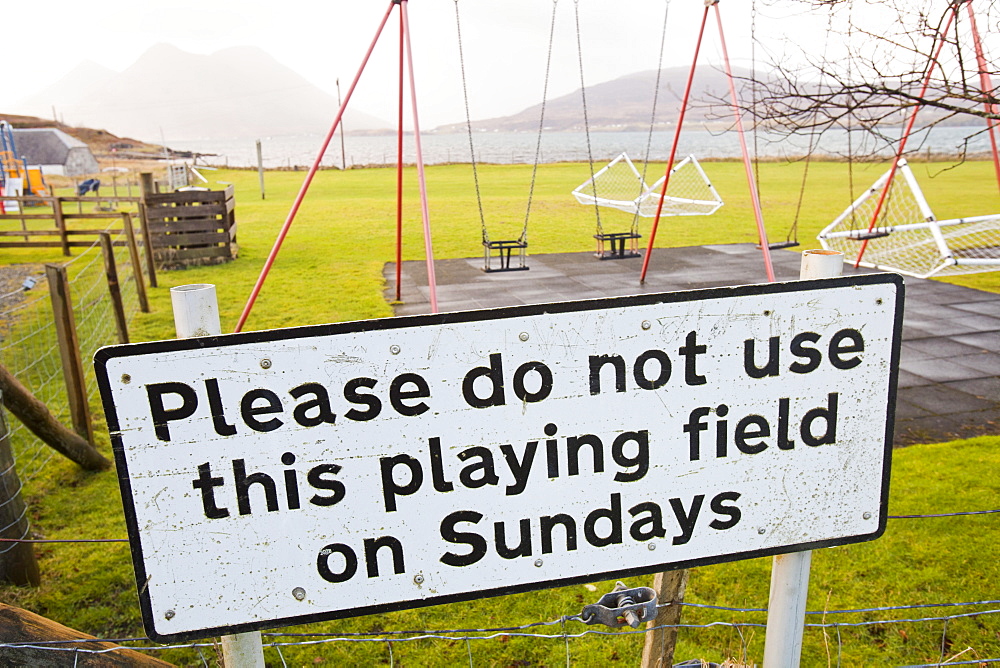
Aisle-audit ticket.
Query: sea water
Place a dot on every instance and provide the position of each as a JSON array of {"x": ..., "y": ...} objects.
[{"x": 292, "y": 151}]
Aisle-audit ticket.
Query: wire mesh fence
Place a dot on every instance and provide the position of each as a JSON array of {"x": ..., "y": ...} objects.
[
  {"x": 30, "y": 351},
  {"x": 29, "y": 344}
]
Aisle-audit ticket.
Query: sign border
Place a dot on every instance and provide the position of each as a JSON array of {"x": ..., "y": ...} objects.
[{"x": 312, "y": 331}]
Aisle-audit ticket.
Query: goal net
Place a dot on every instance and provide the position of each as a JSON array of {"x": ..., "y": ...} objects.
[
  {"x": 620, "y": 185},
  {"x": 907, "y": 238}
]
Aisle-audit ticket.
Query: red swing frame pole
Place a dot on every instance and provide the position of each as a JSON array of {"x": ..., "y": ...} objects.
[
  {"x": 308, "y": 180},
  {"x": 399, "y": 171},
  {"x": 986, "y": 85},
  {"x": 673, "y": 148},
  {"x": 758, "y": 213},
  {"x": 906, "y": 135},
  {"x": 421, "y": 176}
]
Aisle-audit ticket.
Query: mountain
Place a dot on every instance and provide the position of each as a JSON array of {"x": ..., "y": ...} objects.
[
  {"x": 235, "y": 93},
  {"x": 625, "y": 103}
]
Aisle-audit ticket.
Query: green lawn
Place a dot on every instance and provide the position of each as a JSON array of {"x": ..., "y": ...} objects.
[{"x": 330, "y": 269}]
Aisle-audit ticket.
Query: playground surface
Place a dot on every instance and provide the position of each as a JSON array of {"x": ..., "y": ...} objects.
[{"x": 949, "y": 376}]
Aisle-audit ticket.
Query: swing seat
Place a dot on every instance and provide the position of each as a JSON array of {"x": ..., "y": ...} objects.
[
  {"x": 504, "y": 249},
  {"x": 615, "y": 249},
  {"x": 779, "y": 245},
  {"x": 874, "y": 234}
]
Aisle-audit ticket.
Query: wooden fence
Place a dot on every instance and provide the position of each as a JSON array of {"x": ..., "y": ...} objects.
[
  {"x": 177, "y": 228},
  {"x": 46, "y": 222},
  {"x": 192, "y": 227}
]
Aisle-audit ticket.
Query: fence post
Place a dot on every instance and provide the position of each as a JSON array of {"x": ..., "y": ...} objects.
[
  {"x": 17, "y": 560},
  {"x": 57, "y": 213},
  {"x": 133, "y": 254},
  {"x": 69, "y": 350},
  {"x": 145, "y": 190},
  {"x": 260, "y": 168},
  {"x": 114, "y": 288},
  {"x": 661, "y": 633},
  {"x": 196, "y": 313},
  {"x": 786, "y": 606},
  {"x": 145, "y": 184}
]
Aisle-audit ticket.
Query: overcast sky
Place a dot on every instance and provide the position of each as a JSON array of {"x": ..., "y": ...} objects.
[{"x": 505, "y": 43}]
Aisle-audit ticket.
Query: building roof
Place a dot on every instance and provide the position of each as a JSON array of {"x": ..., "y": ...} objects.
[{"x": 45, "y": 146}]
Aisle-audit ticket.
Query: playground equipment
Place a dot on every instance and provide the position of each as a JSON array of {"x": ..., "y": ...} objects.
[
  {"x": 504, "y": 247},
  {"x": 405, "y": 56},
  {"x": 920, "y": 245},
  {"x": 751, "y": 181},
  {"x": 909, "y": 239},
  {"x": 13, "y": 166},
  {"x": 619, "y": 185}
]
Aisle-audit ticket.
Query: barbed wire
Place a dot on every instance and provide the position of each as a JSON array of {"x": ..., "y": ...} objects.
[
  {"x": 971, "y": 662},
  {"x": 915, "y": 606},
  {"x": 959, "y": 514},
  {"x": 63, "y": 540},
  {"x": 477, "y": 633},
  {"x": 125, "y": 540}
]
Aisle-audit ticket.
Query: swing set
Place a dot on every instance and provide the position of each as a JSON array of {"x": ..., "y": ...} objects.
[
  {"x": 620, "y": 185},
  {"x": 504, "y": 247},
  {"x": 663, "y": 198},
  {"x": 405, "y": 61},
  {"x": 665, "y": 204}
]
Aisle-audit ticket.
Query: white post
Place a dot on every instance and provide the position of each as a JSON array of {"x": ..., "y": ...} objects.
[
  {"x": 786, "y": 607},
  {"x": 196, "y": 313},
  {"x": 821, "y": 263},
  {"x": 243, "y": 650}
]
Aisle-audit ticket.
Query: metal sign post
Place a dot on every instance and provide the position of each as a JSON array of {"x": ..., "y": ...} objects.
[
  {"x": 196, "y": 313},
  {"x": 786, "y": 606},
  {"x": 355, "y": 468}
]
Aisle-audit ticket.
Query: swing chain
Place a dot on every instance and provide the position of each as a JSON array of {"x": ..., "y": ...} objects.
[
  {"x": 652, "y": 115},
  {"x": 468, "y": 124},
  {"x": 586, "y": 121},
  {"x": 541, "y": 123}
]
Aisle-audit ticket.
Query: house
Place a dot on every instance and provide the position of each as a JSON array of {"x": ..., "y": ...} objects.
[{"x": 55, "y": 152}]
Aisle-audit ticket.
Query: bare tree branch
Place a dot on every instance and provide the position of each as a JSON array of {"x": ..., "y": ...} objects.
[{"x": 869, "y": 75}]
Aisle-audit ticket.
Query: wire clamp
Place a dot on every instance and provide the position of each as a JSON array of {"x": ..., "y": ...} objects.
[{"x": 622, "y": 606}]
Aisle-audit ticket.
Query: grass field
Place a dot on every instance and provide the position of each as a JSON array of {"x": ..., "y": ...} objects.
[{"x": 330, "y": 269}]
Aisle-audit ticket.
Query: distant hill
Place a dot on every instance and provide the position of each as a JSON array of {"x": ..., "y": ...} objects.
[
  {"x": 237, "y": 92},
  {"x": 625, "y": 103}
]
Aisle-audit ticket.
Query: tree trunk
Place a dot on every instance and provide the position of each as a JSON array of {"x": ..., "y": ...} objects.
[
  {"x": 21, "y": 626},
  {"x": 36, "y": 417}
]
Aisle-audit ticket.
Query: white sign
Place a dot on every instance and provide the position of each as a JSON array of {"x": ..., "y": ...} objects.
[{"x": 295, "y": 475}]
